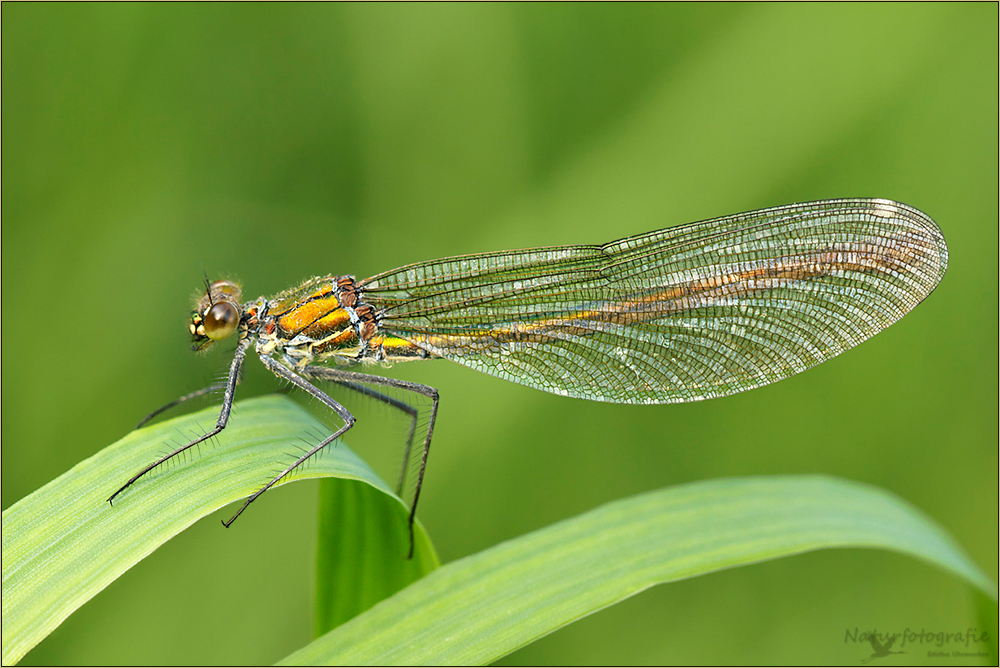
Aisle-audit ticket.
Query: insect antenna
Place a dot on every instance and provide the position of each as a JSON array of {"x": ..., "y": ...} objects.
[{"x": 208, "y": 286}]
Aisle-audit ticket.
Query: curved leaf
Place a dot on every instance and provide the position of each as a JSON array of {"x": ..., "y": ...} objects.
[
  {"x": 357, "y": 532},
  {"x": 64, "y": 543},
  {"x": 480, "y": 608}
]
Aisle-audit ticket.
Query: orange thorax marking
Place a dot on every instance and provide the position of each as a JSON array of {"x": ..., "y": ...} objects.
[{"x": 317, "y": 318}]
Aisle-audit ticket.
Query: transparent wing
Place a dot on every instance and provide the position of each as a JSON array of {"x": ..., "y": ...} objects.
[{"x": 686, "y": 313}]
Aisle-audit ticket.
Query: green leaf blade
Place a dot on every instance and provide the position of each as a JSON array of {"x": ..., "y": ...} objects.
[
  {"x": 485, "y": 606},
  {"x": 362, "y": 550},
  {"x": 63, "y": 543}
]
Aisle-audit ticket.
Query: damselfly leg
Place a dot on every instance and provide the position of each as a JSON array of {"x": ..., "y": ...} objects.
[
  {"x": 305, "y": 385},
  {"x": 344, "y": 377},
  {"x": 214, "y": 387},
  {"x": 347, "y": 379},
  {"x": 410, "y": 411},
  {"x": 220, "y": 424}
]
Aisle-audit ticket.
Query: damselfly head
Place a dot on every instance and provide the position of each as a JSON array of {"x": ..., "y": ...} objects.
[{"x": 216, "y": 315}]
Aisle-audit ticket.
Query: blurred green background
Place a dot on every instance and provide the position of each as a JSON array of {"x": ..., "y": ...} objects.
[{"x": 272, "y": 143}]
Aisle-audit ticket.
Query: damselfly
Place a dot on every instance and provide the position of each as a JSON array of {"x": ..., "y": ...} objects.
[{"x": 682, "y": 314}]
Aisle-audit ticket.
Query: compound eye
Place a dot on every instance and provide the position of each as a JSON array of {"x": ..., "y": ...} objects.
[{"x": 221, "y": 321}]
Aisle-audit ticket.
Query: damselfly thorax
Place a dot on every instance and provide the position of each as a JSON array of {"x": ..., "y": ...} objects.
[
  {"x": 682, "y": 314},
  {"x": 326, "y": 319}
]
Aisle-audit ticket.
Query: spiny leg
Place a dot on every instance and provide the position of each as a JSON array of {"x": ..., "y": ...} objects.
[
  {"x": 220, "y": 424},
  {"x": 279, "y": 370},
  {"x": 340, "y": 376},
  {"x": 395, "y": 403},
  {"x": 180, "y": 400}
]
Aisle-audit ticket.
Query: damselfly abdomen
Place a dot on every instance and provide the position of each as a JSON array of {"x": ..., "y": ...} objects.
[{"x": 682, "y": 314}]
